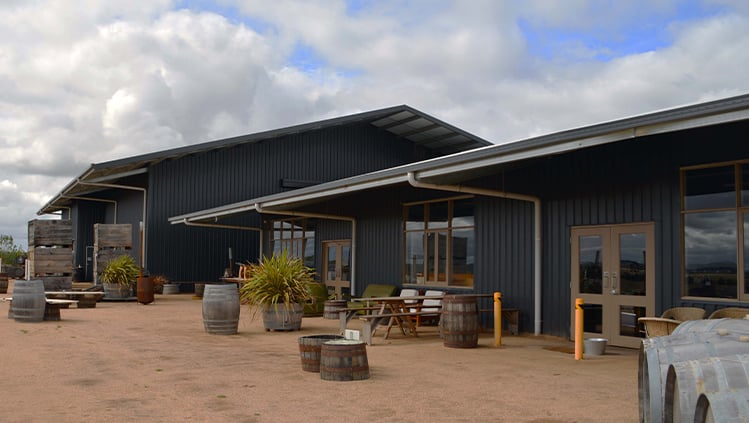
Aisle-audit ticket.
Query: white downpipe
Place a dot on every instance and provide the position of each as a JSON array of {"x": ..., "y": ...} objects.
[
  {"x": 259, "y": 208},
  {"x": 414, "y": 181}
]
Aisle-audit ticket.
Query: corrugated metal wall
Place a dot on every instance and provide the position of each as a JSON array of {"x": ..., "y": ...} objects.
[{"x": 224, "y": 176}]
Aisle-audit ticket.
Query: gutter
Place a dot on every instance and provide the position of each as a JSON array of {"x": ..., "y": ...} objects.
[
  {"x": 416, "y": 183},
  {"x": 259, "y": 208}
]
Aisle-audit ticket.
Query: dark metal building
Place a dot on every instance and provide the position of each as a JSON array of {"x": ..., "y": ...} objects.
[
  {"x": 153, "y": 187},
  {"x": 634, "y": 216}
]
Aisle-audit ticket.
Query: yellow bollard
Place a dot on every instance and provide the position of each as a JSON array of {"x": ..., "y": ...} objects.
[
  {"x": 497, "y": 319},
  {"x": 579, "y": 332}
]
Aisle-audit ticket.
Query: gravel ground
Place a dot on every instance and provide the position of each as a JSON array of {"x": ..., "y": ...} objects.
[{"x": 124, "y": 361}]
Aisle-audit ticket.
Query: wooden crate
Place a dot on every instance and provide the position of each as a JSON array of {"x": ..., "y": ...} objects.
[
  {"x": 50, "y": 232},
  {"x": 51, "y": 261},
  {"x": 107, "y": 235}
]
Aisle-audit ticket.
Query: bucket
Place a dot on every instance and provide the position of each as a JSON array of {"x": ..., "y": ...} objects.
[
  {"x": 28, "y": 301},
  {"x": 595, "y": 346},
  {"x": 658, "y": 353},
  {"x": 3, "y": 283},
  {"x": 722, "y": 406},
  {"x": 309, "y": 350},
  {"x": 145, "y": 290},
  {"x": 221, "y": 309},
  {"x": 686, "y": 380},
  {"x": 330, "y": 310},
  {"x": 344, "y": 360},
  {"x": 460, "y": 321}
]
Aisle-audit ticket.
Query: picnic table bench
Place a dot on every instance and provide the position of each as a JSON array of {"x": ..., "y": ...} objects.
[
  {"x": 85, "y": 299},
  {"x": 51, "y": 308},
  {"x": 371, "y": 321}
]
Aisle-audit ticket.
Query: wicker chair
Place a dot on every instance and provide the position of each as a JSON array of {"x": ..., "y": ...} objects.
[
  {"x": 658, "y": 326},
  {"x": 730, "y": 312},
  {"x": 684, "y": 313}
]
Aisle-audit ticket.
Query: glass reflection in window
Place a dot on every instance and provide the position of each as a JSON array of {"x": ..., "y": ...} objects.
[{"x": 710, "y": 251}]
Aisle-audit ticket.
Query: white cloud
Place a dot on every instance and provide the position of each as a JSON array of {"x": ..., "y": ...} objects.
[{"x": 105, "y": 80}]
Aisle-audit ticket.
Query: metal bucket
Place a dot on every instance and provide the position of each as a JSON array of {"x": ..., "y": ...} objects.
[
  {"x": 28, "y": 301},
  {"x": 221, "y": 309}
]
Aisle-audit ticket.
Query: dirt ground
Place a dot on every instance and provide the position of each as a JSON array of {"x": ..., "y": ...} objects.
[{"x": 124, "y": 361}]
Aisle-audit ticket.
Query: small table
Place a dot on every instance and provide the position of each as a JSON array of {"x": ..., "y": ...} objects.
[
  {"x": 52, "y": 308},
  {"x": 85, "y": 299}
]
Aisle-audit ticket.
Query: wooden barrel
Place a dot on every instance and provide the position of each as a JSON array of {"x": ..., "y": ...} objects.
[
  {"x": 28, "y": 301},
  {"x": 221, "y": 309},
  {"x": 686, "y": 380},
  {"x": 713, "y": 325},
  {"x": 658, "y": 353},
  {"x": 460, "y": 321},
  {"x": 722, "y": 406},
  {"x": 199, "y": 290},
  {"x": 330, "y": 310},
  {"x": 343, "y": 360},
  {"x": 3, "y": 283},
  {"x": 145, "y": 290},
  {"x": 309, "y": 350}
]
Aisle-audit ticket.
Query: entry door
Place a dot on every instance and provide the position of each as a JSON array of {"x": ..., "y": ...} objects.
[
  {"x": 613, "y": 271},
  {"x": 337, "y": 266}
]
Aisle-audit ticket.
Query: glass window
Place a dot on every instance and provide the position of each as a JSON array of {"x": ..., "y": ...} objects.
[
  {"x": 297, "y": 236},
  {"x": 710, "y": 254},
  {"x": 591, "y": 264},
  {"x": 632, "y": 264},
  {"x": 441, "y": 251},
  {"x": 710, "y": 188},
  {"x": 715, "y": 231}
]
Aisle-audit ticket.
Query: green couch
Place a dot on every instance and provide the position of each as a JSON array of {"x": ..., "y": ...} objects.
[
  {"x": 374, "y": 290},
  {"x": 316, "y": 305}
]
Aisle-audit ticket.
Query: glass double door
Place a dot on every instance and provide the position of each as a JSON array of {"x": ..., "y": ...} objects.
[
  {"x": 613, "y": 272},
  {"x": 337, "y": 266}
]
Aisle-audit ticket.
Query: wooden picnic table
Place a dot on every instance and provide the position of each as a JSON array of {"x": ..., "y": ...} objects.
[
  {"x": 396, "y": 310},
  {"x": 85, "y": 299}
]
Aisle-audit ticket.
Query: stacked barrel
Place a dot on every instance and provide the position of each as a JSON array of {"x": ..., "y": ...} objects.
[{"x": 695, "y": 372}]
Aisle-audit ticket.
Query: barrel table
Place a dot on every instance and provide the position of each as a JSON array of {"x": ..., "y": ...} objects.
[{"x": 344, "y": 360}]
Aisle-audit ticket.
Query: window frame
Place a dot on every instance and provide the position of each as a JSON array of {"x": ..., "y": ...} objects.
[
  {"x": 288, "y": 238},
  {"x": 442, "y": 229},
  {"x": 740, "y": 210}
]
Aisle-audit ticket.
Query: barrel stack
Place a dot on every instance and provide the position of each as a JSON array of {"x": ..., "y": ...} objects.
[{"x": 680, "y": 374}]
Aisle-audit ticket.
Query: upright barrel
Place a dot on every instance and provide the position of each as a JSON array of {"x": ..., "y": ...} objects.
[
  {"x": 658, "y": 353},
  {"x": 460, "y": 321},
  {"x": 344, "y": 360},
  {"x": 221, "y": 309},
  {"x": 28, "y": 301},
  {"x": 145, "y": 289},
  {"x": 740, "y": 326},
  {"x": 310, "y": 347},
  {"x": 3, "y": 283}
]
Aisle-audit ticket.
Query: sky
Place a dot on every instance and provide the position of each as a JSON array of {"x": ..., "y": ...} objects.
[{"x": 91, "y": 81}]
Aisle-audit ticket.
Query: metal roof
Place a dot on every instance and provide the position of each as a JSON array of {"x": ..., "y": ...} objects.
[
  {"x": 477, "y": 162},
  {"x": 403, "y": 121}
]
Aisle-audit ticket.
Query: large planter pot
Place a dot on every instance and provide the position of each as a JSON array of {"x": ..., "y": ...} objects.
[
  {"x": 280, "y": 317},
  {"x": 117, "y": 291},
  {"x": 170, "y": 288}
]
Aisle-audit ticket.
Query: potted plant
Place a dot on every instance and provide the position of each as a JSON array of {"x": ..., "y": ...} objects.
[
  {"x": 278, "y": 287},
  {"x": 119, "y": 276},
  {"x": 162, "y": 285}
]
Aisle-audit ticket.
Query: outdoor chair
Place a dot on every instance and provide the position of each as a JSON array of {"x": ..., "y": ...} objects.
[
  {"x": 658, "y": 326},
  {"x": 430, "y": 305},
  {"x": 407, "y": 292},
  {"x": 730, "y": 313},
  {"x": 684, "y": 313}
]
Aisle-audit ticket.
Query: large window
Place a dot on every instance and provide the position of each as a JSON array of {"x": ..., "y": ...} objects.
[
  {"x": 297, "y": 236},
  {"x": 439, "y": 243},
  {"x": 715, "y": 224}
]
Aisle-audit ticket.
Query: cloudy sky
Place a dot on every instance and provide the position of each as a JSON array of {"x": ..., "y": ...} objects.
[{"x": 89, "y": 81}]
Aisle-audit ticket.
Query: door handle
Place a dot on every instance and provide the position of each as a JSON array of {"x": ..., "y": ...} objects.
[
  {"x": 613, "y": 283},
  {"x": 605, "y": 280}
]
